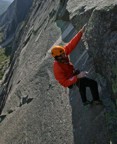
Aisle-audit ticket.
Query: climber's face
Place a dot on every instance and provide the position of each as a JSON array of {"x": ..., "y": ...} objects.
[{"x": 62, "y": 58}]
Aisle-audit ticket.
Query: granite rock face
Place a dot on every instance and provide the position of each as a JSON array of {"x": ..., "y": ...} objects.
[{"x": 35, "y": 108}]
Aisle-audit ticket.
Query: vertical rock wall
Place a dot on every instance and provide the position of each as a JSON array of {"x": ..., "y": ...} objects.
[
  {"x": 100, "y": 40},
  {"x": 37, "y": 109}
]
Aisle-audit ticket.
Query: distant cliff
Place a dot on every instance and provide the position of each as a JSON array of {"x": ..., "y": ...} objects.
[
  {"x": 35, "y": 108},
  {"x": 13, "y": 17},
  {"x": 3, "y": 6}
]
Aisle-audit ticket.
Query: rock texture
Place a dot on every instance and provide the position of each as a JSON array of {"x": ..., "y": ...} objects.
[
  {"x": 36, "y": 109},
  {"x": 100, "y": 40},
  {"x": 45, "y": 115}
]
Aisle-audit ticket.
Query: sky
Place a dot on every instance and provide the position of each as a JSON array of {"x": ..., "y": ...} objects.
[{"x": 9, "y": 0}]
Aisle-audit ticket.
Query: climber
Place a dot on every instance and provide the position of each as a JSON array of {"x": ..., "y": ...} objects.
[{"x": 66, "y": 74}]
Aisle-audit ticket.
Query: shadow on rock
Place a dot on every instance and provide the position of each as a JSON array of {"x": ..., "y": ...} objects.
[{"x": 2, "y": 117}]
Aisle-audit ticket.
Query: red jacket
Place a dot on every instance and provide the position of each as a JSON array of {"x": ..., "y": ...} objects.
[{"x": 64, "y": 72}]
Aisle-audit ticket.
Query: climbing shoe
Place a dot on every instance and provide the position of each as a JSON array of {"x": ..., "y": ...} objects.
[{"x": 86, "y": 103}]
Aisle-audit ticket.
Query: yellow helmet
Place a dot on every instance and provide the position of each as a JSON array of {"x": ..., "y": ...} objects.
[{"x": 57, "y": 51}]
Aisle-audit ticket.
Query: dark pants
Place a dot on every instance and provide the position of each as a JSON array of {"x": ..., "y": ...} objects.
[
  {"x": 92, "y": 84},
  {"x": 86, "y": 82}
]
